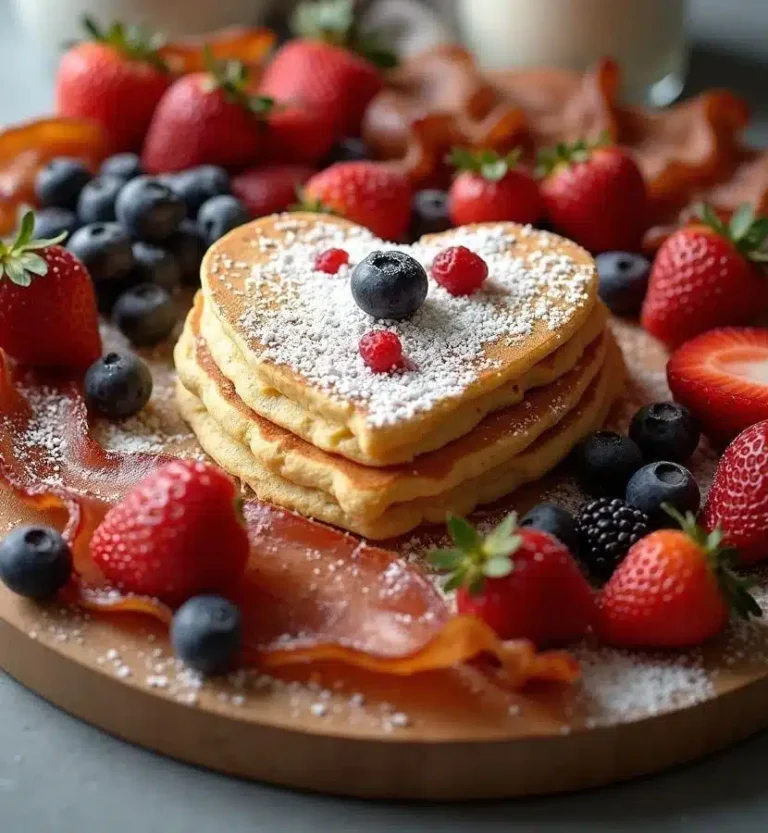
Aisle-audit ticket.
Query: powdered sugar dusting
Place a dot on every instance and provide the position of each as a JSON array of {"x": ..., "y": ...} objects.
[{"x": 316, "y": 326}]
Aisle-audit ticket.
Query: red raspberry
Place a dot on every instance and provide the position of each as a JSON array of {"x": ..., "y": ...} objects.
[
  {"x": 331, "y": 260},
  {"x": 381, "y": 350},
  {"x": 459, "y": 270}
]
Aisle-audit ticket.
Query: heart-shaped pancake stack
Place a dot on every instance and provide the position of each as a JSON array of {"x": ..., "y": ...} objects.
[{"x": 498, "y": 386}]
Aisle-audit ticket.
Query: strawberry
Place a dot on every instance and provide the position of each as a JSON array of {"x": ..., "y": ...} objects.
[
  {"x": 179, "y": 532},
  {"x": 595, "y": 194},
  {"x": 373, "y": 194},
  {"x": 720, "y": 377},
  {"x": 490, "y": 188},
  {"x": 116, "y": 78},
  {"x": 207, "y": 118},
  {"x": 321, "y": 68},
  {"x": 520, "y": 581},
  {"x": 298, "y": 133},
  {"x": 48, "y": 315},
  {"x": 738, "y": 500},
  {"x": 270, "y": 189},
  {"x": 707, "y": 275},
  {"x": 674, "y": 589}
]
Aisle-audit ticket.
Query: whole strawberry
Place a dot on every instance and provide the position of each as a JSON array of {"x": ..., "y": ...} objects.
[
  {"x": 116, "y": 78},
  {"x": 297, "y": 133},
  {"x": 707, "y": 275},
  {"x": 373, "y": 194},
  {"x": 738, "y": 500},
  {"x": 520, "y": 581},
  {"x": 594, "y": 194},
  {"x": 271, "y": 188},
  {"x": 207, "y": 118},
  {"x": 490, "y": 188},
  {"x": 48, "y": 315},
  {"x": 674, "y": 589},
  {"x": 179, "y": 532},
  {"x": 330, "y": 66}
]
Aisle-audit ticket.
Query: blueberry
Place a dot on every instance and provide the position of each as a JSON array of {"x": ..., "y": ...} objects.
[
  {"x": 430, "y": 212},
  {"x": 663, "y": 482},
  {"x": 97, "y": 200},
  {"x": 124, "y": 166},
  {"x": 60, "y": 182},
  {"x": 665, "y": 431},
  {"x": 105, "y": 249},
  {"x": 221, "y": 214},
  {"x": 118, "y": 385},
  {"x": 350, "y": 149},
  {"x": 389, "y": 285},
  {"x": 197, "y": 185},
  {"x": 551, "y": 518},
  {"x": 605, "y": 461},
  {"x": 156, "y": 265},
  {"x": 206, "y": 633},
  {"x": 188, "y": 247},
  {"x": 149, "y": 210},
  {"x": 51, "y": 222},
  {"x": 35, "y": 561},
  {"x": 623, "y": 281},
  {"x": 107, "y": 292},
  {"x": 145, "y": 315}
]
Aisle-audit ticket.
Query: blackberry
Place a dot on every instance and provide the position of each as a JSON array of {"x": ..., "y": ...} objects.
[{"x": 608, "y": 527}]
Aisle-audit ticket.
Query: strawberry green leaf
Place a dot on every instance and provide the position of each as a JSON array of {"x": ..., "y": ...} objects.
[
  {"x": 33, "y": 263},
  {"x": 464, "y": 534},
  {"x": 26, "y": 230},
  {"x": 494, "y": 171},
  {"x": 741, "y": 222},
  {"x": 455, "y": 581},
  {"x": 503, "y": 540},
  {"x": 445, "y": 559},
  {"x": 15, "y": 271},
  {"x": 498, "y": 566}
]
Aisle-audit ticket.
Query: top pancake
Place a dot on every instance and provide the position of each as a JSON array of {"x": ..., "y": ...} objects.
[{"x": 299, "y": 329}]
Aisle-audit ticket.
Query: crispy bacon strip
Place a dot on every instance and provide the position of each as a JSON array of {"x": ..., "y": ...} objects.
[
  {"x": 309, "y": 593},
  {"x": 249, "y": 45},
  {"x": 689, "y": 151},
  {"x": 25, "y": 148}
]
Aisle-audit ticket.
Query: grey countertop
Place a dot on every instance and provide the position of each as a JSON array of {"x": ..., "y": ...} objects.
[{"x": 58, "y": 775}]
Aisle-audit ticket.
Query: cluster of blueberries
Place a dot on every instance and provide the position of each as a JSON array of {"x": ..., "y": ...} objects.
[
  {"x": 631, "y": 478},
  {"x": 140, "y": 237}
]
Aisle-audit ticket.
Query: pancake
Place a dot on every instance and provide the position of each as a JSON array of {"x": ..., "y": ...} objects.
[
  {"x": 537, "y": 459},
  {"x": 299, "y": 329},
  {"x": 336, "y": 438}
]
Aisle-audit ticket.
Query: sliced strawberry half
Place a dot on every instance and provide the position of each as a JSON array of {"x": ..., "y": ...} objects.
[{"x": 722, "y": 377}]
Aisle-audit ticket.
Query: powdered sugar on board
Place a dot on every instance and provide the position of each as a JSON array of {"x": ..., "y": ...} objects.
[
  {"x": 315, "y": 326},
  {"x": 617, "y": 686}
]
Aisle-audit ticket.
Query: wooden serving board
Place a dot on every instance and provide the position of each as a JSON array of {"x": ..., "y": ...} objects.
[{"x": 445, "y": 736}]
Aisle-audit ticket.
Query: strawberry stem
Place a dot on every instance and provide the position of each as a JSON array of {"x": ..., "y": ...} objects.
[
  {"x": 563, "y": 153},
  {"x": 474, "y": 558},
  {"x": 747, "y": 232},
  {"x": 335, "y": 22},
  {"x": 134, "y": 42},
  {"x": 18, "y": 259},
  {"x": 734, "y": 589},
  {"x": 487, "y": 163}
]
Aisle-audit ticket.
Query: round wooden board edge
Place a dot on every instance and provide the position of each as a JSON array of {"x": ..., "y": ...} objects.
[{"x": 406, "y": 768}]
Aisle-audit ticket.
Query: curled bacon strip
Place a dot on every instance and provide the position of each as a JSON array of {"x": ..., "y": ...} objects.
[
  {"x": 687, "y": 152},
  {"x": 309, "y": 593},
  {"x": 249, "y": 45},
  {"x": 25, "y": 148}
]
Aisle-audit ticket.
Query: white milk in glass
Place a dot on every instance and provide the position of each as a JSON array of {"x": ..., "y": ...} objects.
[{"x": 647, "y": 37}]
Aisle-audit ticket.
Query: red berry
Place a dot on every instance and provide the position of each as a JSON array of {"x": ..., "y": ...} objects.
[
  {"x": 381, "y": 350},
  {"x": 459, "y": 270},
  {"x": 331, "y": 260},
  {"x": 178, "y": 533}
]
